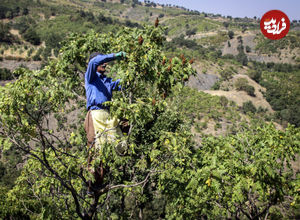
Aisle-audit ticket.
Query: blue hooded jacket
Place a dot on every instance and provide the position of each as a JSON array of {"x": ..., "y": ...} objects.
[{"x": 99, "y": 87}]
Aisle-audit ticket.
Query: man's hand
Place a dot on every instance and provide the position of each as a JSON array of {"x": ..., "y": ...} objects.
[{"x": 120, "y": 55}]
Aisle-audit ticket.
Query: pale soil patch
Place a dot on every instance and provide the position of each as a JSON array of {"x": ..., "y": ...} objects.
[
  {"x": 5, "y": 20},
  {"x": 13, "y": 64},
  {"x": 42, "y": 16},
  {"x": 240, "y": 97},
  {"x": 15, "y": 32},
  {"x": 201, "y": 35}
]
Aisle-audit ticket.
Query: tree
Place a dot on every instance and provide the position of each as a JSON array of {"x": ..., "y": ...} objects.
[
  {"x": 248, "y": 49},
  {"x": 242, "y": 85},
  {"x": 238, "y": 177},
  {"x": 230, "y": 34},
  {"x": 226, "y": 24},
  {"x": 191, "y": 32},
  {"x": 242, "y": 57},
  {"x": 255, "y": 75},
  {"x": 5, "y": 35},
  {"x": 248, "y": 107},
  {"x": 35, "y": 118},
  {"x": 32, "y": 37}
]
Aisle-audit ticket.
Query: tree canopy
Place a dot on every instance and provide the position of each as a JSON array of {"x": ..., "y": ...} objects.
[{"x": 163, "y": 173}]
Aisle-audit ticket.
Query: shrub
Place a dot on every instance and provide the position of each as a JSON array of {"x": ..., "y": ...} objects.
[
  {"x": 217, "y": 85},
  {"x": 248, "y": 49},
  {"x": 32, "y": 37},
  {"x": 250, "y": 90},
  {"x": 230, "y": 34},
  {"x": 191, "y": 32},
  {"x": 226, "y": 74},
  {"x": 5, "y": 74},
  {"x": 248, "y": 107},
  {"x": 255, "y": 75},
  {"x": 242, "y": 58},
  {"x": 242, "y": 85},
  {"x": 5, "y": 35}
]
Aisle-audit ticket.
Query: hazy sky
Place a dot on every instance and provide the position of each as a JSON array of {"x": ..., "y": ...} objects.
[{"x": 240, "y": 8}]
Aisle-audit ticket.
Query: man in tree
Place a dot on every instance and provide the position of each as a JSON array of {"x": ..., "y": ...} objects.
[{"x": 100, "y": 128}]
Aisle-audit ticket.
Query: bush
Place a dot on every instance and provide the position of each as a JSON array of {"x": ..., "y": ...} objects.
[
  {"x": 242, "y": 58},
  {"x": 250, "y": 90},
  {"x": 52, "y": 39},
  {"x": 5, "y": 35},
  {"x": 248, "y": 107},
  {"x": 5, "y": 74},
  {"x": 248, "y": 49},
  {"x": 29, "y": 52},
  {"x": 191, "y": 32},
  {"x": 226, "y": 74},
  {"x": 32, "y": 37},
  {"x": 217, "y": 85},
  {"x": 230, "y": 34},
  {"x": 242, "y": 85},
  {"x": 255, "y": 75}
]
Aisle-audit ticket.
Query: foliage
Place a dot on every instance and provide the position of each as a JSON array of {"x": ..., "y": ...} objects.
[
  {"x": 230, "y": 34},
  {"x": 242, "y": 85},
  {"x": 255, "y": 75},
  {"x": 199, "y": 109},
  {"x": 227, "y": 73},
  {"x": 248, "y": 107},
  {"x": 283, "y": 94},
  {"x": 239, "y": 176},
  {"x": 191, "y": 32},
  {"x": 52, "y": 184},
  {"x": 32, "y": 37},
  {"x": 5, "y": 74},
  {"x": 248, "y": 49},
  {"x": 242, "y": 58},
  {"x": 5, "y": 35}
]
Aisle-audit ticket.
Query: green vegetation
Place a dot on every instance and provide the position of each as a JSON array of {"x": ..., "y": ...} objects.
[
  {"x": 5, "y": 74},
  {"x": 242, "y": 85},
  {"x": 282, "y": 84},
  {"x": 143, "y": 104},
  {"x": 5, "y": 35},
  {"x": 230, "y": 34},
  {"x": 248, "y": 107},
  {"x": 267, "y": 46},
  {"x": 176, "y": 166},
  {"x": 237, "y": 175}
]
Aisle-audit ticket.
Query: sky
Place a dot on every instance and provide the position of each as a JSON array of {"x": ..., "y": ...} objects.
[{"x": 239, "y": 8}]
